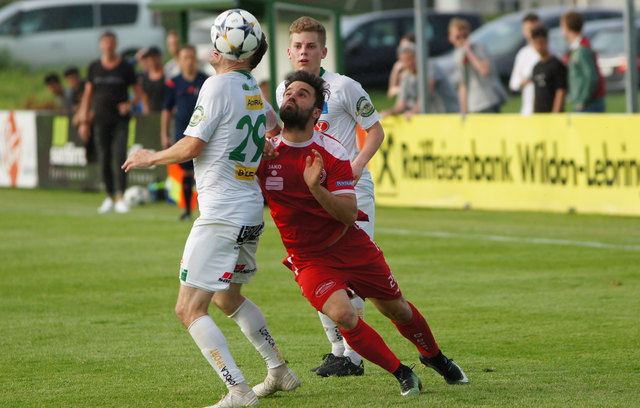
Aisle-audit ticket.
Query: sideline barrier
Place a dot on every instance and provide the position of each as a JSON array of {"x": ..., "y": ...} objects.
[
  {"x": 42, "y": 149},
  {"x": 583, "y": 163}
]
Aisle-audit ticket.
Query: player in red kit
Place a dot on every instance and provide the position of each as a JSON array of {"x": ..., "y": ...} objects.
[{"x": 310, "y": 190}]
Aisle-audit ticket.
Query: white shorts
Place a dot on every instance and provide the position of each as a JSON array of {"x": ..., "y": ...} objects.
[
  {"x": 216, "y": 255},
  {"x": 366, "y": 203}
]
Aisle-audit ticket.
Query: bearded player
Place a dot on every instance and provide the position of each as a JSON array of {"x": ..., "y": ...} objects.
[
  {"x": 310, "y": 192},
  {"x": 348, "y": 106}
]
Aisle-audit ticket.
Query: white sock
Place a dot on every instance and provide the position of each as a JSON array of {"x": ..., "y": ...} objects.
[
  {"x": 254, "y": 326},
  {"x": 213, "y": 346},
  {"x": 333, "y": 334},
  {"x": 358, "y": 304}
]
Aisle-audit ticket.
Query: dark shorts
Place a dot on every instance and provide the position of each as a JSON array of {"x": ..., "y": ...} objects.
[{"x": 354, "y": 262}]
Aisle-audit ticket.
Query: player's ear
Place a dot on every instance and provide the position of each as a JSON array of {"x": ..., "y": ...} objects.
[
  {"x": 289, "y": 53},
  {"x": 324, "y": 52}
]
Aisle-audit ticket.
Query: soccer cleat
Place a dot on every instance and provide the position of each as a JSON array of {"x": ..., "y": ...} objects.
[
  {"x": 451, "y": 372},
  {"x": 340, "y": 366},
  {"x": 289, "y": 381},
  {"x": 186, "y": 216},
  {"x": 237, "y": 399},
  {"x": 121, "y": 207},
  {"x": 107, "y": 205},
  {"x": 410, "y": 383},
  {"x": 327, "y": 360}
]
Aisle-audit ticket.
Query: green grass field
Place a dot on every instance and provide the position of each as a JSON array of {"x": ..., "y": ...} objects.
[{"x": 541, "y": 310}]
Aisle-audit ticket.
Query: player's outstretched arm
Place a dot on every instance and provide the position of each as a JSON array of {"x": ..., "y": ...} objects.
[
  {"x": 343, "y": 207},
  {"x": 186, "y": 149}
]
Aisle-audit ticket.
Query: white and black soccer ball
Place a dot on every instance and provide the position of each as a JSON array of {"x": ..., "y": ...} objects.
[
  {"x": 236, "y": 34},
  {"x": 136, "y": 195}
]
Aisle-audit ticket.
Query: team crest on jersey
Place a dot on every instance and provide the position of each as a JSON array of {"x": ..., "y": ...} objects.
[
  {"x": 323, "y": 176},
  {"x": 254, "y": 102},
  {"x": 364, "y": 107},
  {"x": 197, "y": 116},
  {"x": 245, "y": 173},
  {"x": 322, "y": 126}
]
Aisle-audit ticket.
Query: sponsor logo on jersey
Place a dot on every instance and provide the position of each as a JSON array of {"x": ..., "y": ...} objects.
[
  {"x": 226, "y": 277},
  {"x": 364, "y": 107},
  {"x": 274, "y": 183},
  {"x": 222, "y": 367},
  {"x": 254, "y": 102},
  {"x": 322, "y": 289},
  {"x": 245, "y": 173},
  {"x": 344, "y": 183},
  {"x": 183, "y": 273},
  {"x": 322, "y": 126},
  {"x": 274, "y": 166},
  {"x": 197, "y": 116}
]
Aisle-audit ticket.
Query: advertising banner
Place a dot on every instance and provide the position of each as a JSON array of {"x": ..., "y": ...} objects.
[
  {"x": 64, "y": 162},
  {"x": 18, "y": 144},
  {"x": 583, "y": 163}
]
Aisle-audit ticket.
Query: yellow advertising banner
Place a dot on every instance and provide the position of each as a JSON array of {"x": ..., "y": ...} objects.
[{"x": 583, "y": 163}]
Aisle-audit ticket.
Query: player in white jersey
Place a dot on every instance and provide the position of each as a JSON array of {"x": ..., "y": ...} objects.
[
  {"x": 348, "y": 106},
  {"x": 225, "y": 139}
]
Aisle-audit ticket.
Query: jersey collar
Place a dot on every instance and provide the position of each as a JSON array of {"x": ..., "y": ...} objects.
[
  {"x": 322, "y": 71},
  {"x": 245, "y": 73},
  {"x": 299, "y": 144}
]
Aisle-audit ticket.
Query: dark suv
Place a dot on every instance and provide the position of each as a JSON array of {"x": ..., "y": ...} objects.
[{"x": 370, "y": 41}]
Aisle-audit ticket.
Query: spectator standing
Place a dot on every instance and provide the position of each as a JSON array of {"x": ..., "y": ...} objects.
[
  {"x": 549, "y": 75},
  {"x": 152, "y": 81},
  {"x": 586, "y": 85},
  {"x": 526, "y": 58},
  {"x": 442, "y": 97},
  {"x": 171, "y": 67},
  {"x": 108, "y": 82},
  {"x": 52, "y": 81},
  {"x": 398, "y": 68},
  {"x": 181, "y": 95},
  {"x": 75, "y": 87},
  {"x": 74, "y": 93},
  {"x": 479, "y": 89}
]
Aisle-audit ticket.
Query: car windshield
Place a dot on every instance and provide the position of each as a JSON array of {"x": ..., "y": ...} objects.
[
  {"x": 498, "y": 36},
  {"x": 608, "y": 42}
]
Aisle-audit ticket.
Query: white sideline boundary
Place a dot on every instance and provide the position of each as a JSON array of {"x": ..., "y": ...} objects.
[{"x": 504, "y": 238}]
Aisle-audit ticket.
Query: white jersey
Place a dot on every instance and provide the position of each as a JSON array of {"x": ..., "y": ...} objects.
[
  {"x": 526, "y": 58},
  {"x": 231, "y": 117},
  {"x": 348, "y": 105}
]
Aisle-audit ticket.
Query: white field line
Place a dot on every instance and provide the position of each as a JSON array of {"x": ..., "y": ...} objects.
[{"x": 503, "y": 238}]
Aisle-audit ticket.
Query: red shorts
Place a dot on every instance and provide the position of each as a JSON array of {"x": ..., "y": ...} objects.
[{"x": 354, "y": 262}]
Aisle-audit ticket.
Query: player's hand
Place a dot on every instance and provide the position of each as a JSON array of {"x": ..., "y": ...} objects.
[
  {"x": 357, "y": 170},
  {"x": 140, "y": 159},
  {"x": 84, "y": 132},
  {"x": 268, "y": 152},
  {"x": 313, "y": 169}
]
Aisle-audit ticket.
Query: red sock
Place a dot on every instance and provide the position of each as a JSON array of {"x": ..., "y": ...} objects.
[
  {"x": 418, "y": 332},
  {"x": 368, "y": 343}
]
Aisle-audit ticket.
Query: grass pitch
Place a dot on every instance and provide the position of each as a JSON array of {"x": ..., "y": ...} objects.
[{"x": 541, "y": 310}]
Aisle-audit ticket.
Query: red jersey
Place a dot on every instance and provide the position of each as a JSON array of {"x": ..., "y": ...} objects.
[{"x": 302, "y": 221}]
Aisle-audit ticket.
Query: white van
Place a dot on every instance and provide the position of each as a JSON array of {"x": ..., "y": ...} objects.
[{"x": 63, "y": 32}]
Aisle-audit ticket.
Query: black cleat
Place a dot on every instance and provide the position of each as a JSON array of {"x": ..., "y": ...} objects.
[
  {"x": 449, "y": 370},
  {"x": 186, "y": 216},
  {"x": 410, "y": 383},
  {"x": 340, "y": 366},
  {"x": 327, "y": 359}
]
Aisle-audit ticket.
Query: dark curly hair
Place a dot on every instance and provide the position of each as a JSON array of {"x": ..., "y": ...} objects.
[{"x": 317, "y": 83}]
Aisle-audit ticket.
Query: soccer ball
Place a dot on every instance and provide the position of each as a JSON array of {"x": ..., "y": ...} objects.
[
  {"x": 236, "y": 34},
  {"x": 136, "y": 195}
]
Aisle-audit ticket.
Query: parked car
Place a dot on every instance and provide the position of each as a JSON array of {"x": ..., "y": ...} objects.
[
  {"x": 371, "y": 39},
  {"x": 62, "y": 32},
  {"x": 503, "y": 37},
  {"x": 607, "y": 40}
]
